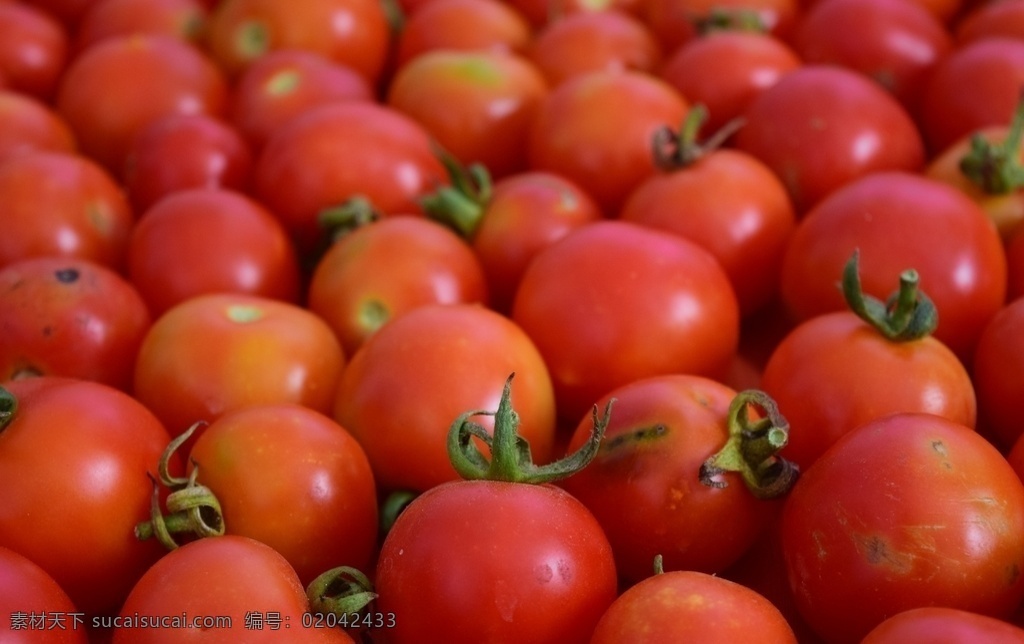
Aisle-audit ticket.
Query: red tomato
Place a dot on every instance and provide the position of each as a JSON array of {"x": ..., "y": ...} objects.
[
  {"x": 596, "y": 131},
  {"x": 64, "y": 205},
  {"x": 410, "y": 380},
  {"x": 675, "y": 22},
  {"x": 36, "y": 610},
  {"x": 29, "y": 124},
  {"x": 866, "y": 535},
  {"x": 477, "y": 105},
  {"x": 990, "y": 19},
  {"x": 691, "y": 606},
  {"x": 73, "y": 457},
  {"x": 68, "y": 12},
  {"x": 33, "y": 49},
  {"x": 184, "y": 19},
  {"x": 1015, "y": 265},
  {"x": 942, "y": 624},
  {"x": 820, "y": 127},
  {"x": 66, "y": 317},
  {"x": 295, "y": 480},
  {"x": 220, "y": 590},
  {"x": 613, "y": 302},
  {"x": 228, "y": 241},
  {"x": 115, "y": 88},
  {"x": 389, "y": 267},
  {"x": 182, "y": 151},
  {"x": 900, "y": 220},
  {"x": 998, "y": 371},
  {"x": 214, "y": 353}
]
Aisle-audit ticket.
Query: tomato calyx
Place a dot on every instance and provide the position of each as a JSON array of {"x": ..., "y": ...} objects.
[
  {"x": 996, "y": 167},
  {"x": 355, "y": 212},
  {"x": 724, "y": 19},
  {"x": 8, "y": 408},
  {"x": 907, "y": 315},
  {"x": 252, "y": 39},
  {"x": 193, "y": 508},
  {"x": 343, "y": 591},
  {"x": 511, "y": 460},
  {"x": 674, "y": 150},
  {"x": 393, "y": 506},
  {"x": 752, "y": 447},
  {"x": 461, "y": 205}
]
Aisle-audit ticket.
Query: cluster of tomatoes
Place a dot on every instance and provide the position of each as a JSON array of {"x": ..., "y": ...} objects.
[{"x": 511, "y": 320}]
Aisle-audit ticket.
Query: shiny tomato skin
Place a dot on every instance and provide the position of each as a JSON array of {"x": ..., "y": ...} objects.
[
  {"x": 691, "y": 606},
  {"x": 998, "y": 372},
  {"x": 28, "y": 124},
  {"x": 408, "y": 382},
  {"x": 900, "y": 221},
  {"x": 213, "y": 353},
  {"x": 614, "y": 301},
  {"x": 522, "y": 563},
  {"x": 295, "y": 480},
  {"x": 34, "y": 50},
  {"x": 834, "y": 373},
  {"x": 820, "y": 127},
  {"x": 74, "y": 458},
  {"x": 72, "y": 318},
  {"x": 906, "y": 511},
  {"x": 939, "y": 624}
]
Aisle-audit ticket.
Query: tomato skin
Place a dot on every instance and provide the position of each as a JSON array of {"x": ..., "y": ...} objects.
[
  {"x": 834, "y": 373},
  {"x": 690, "y": 606},
  {"x": 33, "y": 50},
  {"x": 866, "y": 534},
  {"x": 1015, "y": 265},
  {"x": 939, "y": 624},
  {"x": 900, "y": 221},
  {"x": 674, "y": 310},
  {"x": 73, "y": 318},
  {"x": 26, "y": 588},
  {"x": 646, "y": 492},
  {"x": 998, "y": 371},
  {"x": 29, "y": 124},
  {"x": 74, "y": 459},
  {"x": 213, "y": 353},
  {"x": 674, "y": 22},
  {"x": 409, "y": 381},
  {"x": 462, "y": 25},
  {"x": 184, "y": 19},
  {"x": 820, "y": 127},
  {"x": 990, "y": 19},
  {"x": 548, "y": 580}
]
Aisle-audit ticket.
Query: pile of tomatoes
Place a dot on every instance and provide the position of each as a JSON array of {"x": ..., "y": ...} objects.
[{"x": 511, "y": 320}]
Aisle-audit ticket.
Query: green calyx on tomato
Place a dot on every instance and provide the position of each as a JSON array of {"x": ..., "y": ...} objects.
[
  {"x": 511, "y": 460},
  {"x": 461, "y": 205},
  {"x": 676, "y": 150},
  {"x": 725, "y": 19},
  {"x": 193, "y": 508},
  {"x": 8, "y": 408},
  {"x": 342, "y": 591},
  {"x": 355, "y": 212},
  {"x": 908, "y": 314},
  {"x": 996, "y": 167},
  {"x": 751, "y": 449}
]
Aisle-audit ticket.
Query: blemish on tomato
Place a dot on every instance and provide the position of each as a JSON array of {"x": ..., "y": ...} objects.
[
  {"x": 243, "y": 313},
  {"x": 641, "y": 435}
]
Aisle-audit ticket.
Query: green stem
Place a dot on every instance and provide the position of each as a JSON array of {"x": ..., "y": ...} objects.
[
  {"x": 726, "y": 19},
  {"x": 908, "y": 314},
  {"x": 996, "y": 167},
  {"x": 341, "y": 591},
  {"x": 461, "y": 205},
  {"x": 510, "y": 453},
  {"x": 752, "y": 447},
  {"x": 677, "y": 150},
  {"x": 338, "y": 221},
  {"x": 8, "y": 408},
  {"x": 393, "y": 506}
]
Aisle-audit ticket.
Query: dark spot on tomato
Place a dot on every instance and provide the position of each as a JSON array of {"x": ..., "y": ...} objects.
[
  {"x": 67, "y": 275},
  {"x": 636, "y": 436},
  {"x": 47, "y": 331}
]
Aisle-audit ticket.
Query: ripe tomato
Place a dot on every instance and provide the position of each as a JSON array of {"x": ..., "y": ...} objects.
[
  {"x": 900, "y": 220},
  {"x": 614, "y": 301},
  {"x": 27, "y": 593},
  {"x": 691, "y": 606},
  {"x": 184, "y": 19},
  {"x": 1015, "y": 265},
  {"x": 906, "y": 511},
  {"x": 820, "y": 127},
  {"x": 998, "y": 371},
  {"x": 410, "y": 380},
  {"x": 29, "y": 124},
  {"x": 33, "y": 49},
  {"x": 218, "y": 352},
  {"x": 939, "y": 623},
  {"x": 73, "y": 457},
  {"x": 990, "y": 19},
  {"x": 67, "y": 317},
  {"x": 676, "y": 22}
]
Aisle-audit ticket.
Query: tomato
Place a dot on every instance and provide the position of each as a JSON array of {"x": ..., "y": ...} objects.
[
  {"x": 896, "y": 43},
  {"x": 648, "y": 488},
  {"x": 587, "y": 41},
  {"x": 866, "y": 535},
  {"x": 596, "y": 131},
  {"x": 998, "y": 371},
  {"x": 329, "y": 154},
  {"x": 690, "y": 606},
  {"x": 724, "y": 200},
  {"x": 385, "y": 269},
  {"x": 676, "y": 22},
  {"x": 29, "y": 124},
  {"x": 233, "y": 243},
  {"x": 36, "y": 609},
  {"x": 990, "y": 19},
  {"x": 351, "y": 32},
  {"x": 112, "y": 90},
  {"x": 220, "y": 590},
  {"x": 184, "y": 19},
  {"x": 62, "y": 204},
  {"x": 1015, "y": 265},
  {"x": 213, "y": 353},
  {"x": 73, "y": 457},
  {"x": 281, "y": 84},
  {"x": 614, "y": 301},
  {"x": 462, "y": 25},
  {"x": 66, "y": 317},
  {"x": 478, "y": 106},
  {"x": 182, "y": 151},
  {"x": 68, "y": 12},
  {"x": 938, "y": 623},
  {"x": 407, "y": 383},
  {"x": 726, "y": 70},
  {"x": 899, "y": 221},
  {"x": 33, "y": 49}
]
